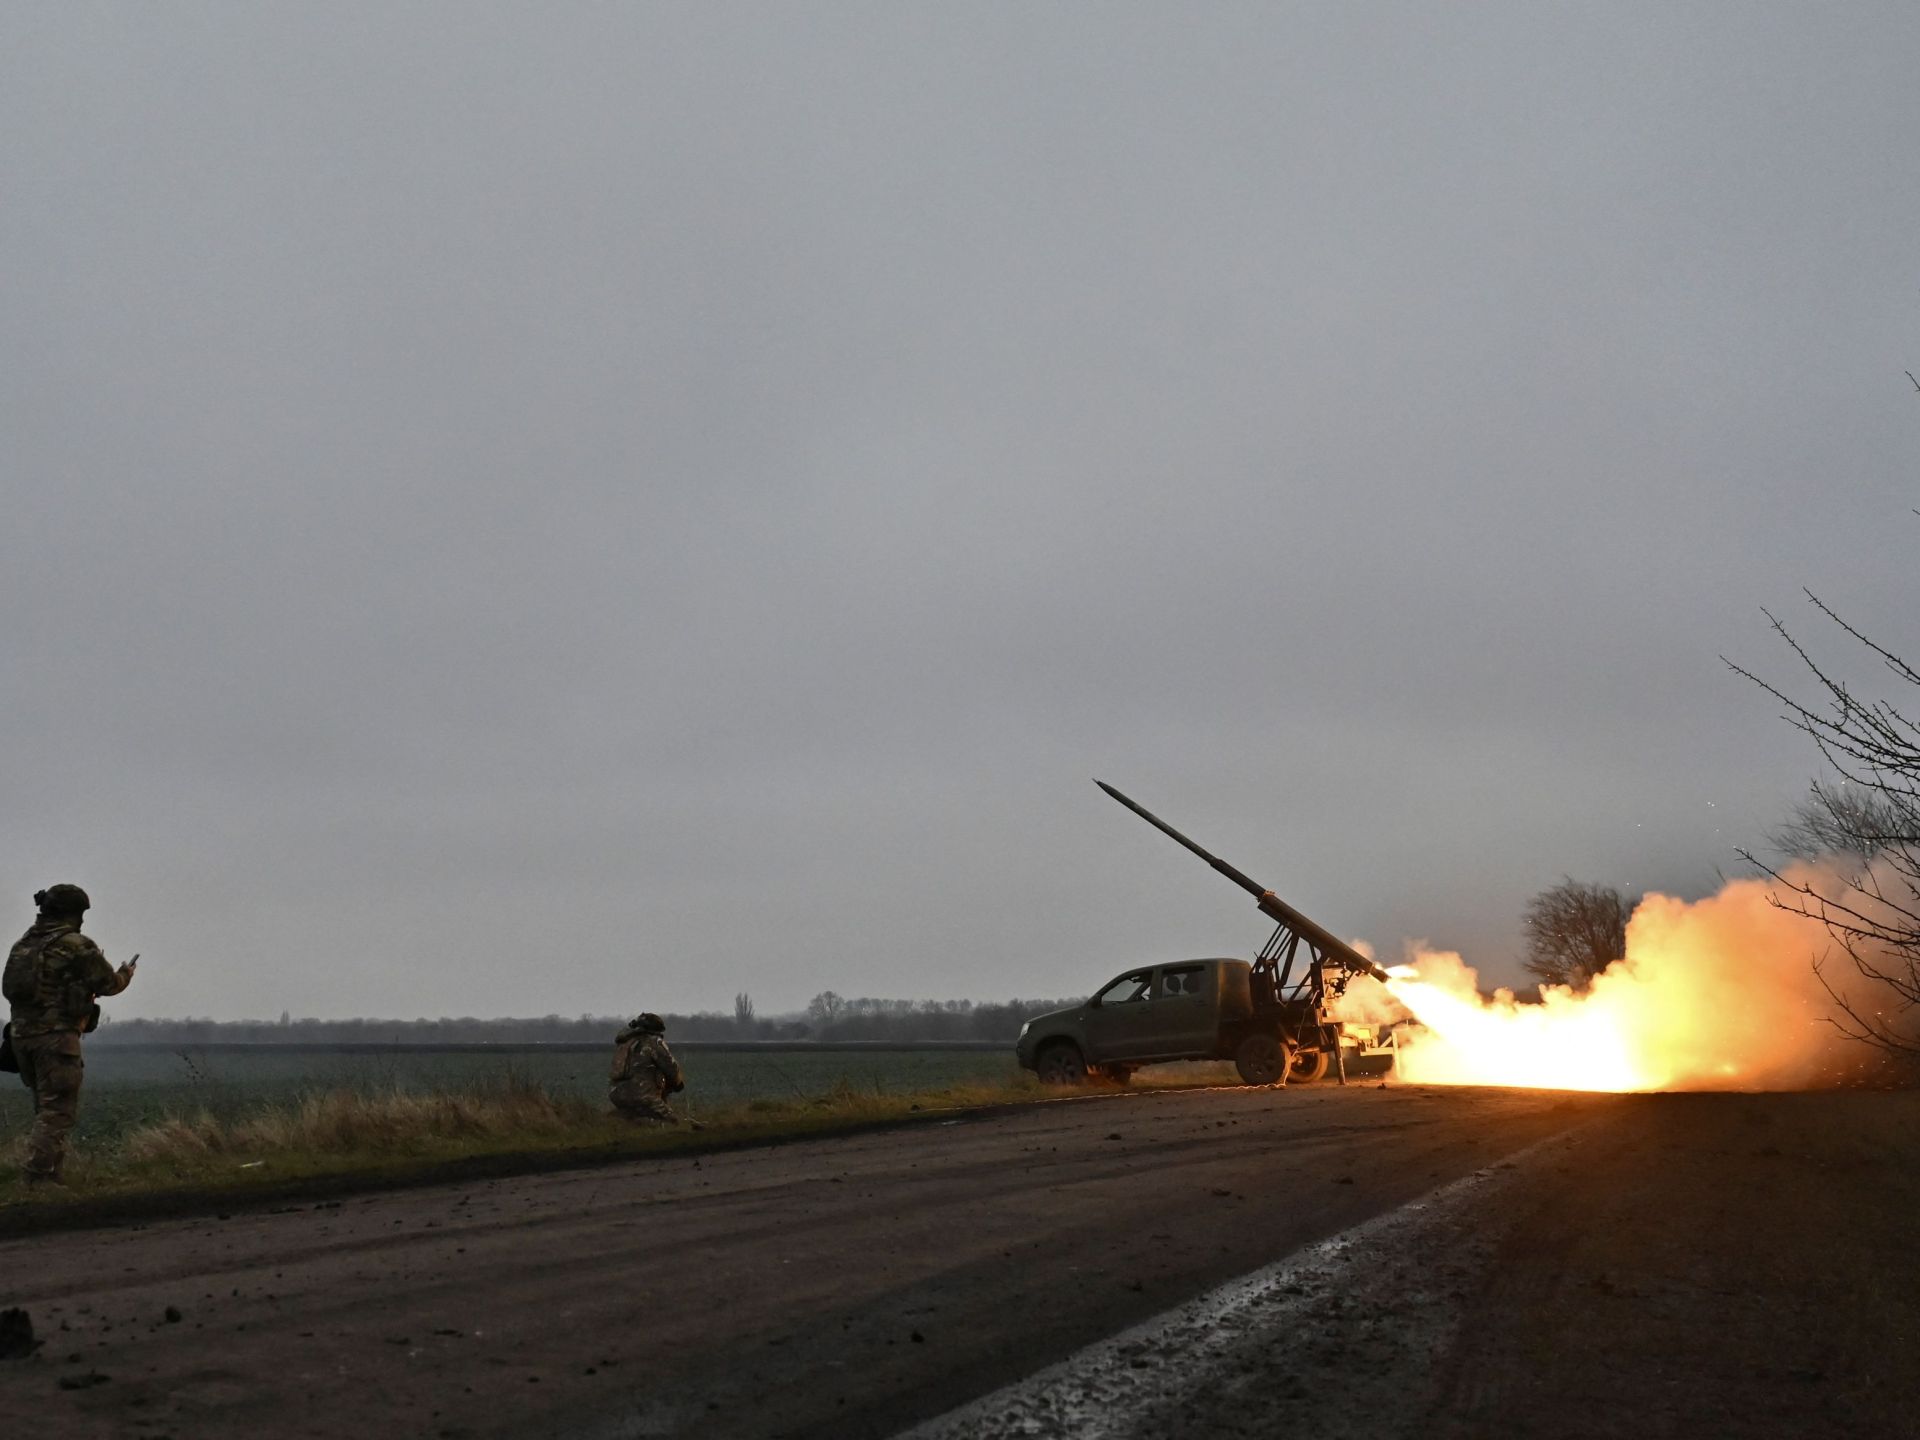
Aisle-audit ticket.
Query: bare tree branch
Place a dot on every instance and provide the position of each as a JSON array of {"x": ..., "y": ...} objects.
[{"x": 1869, "y": 821}]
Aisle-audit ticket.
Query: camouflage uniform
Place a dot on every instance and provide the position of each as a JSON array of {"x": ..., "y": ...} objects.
[
  {"x": 644, "y": 1074},
  {"x": 68, "y": 971}
]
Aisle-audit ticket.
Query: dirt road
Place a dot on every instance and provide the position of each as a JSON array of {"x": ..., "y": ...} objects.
[{"x": 1578, "y": 1266}]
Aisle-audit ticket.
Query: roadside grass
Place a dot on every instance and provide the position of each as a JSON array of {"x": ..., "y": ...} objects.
[
  {"x": 130, "y": 1088},
  {"x": 386, "y": 1133},
  {"x": 379, "y": 1130}
]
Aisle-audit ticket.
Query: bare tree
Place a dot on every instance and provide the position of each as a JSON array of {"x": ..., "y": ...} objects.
[
  {"x": 743, "y": 1010},
  {"x": 825, "y": 1008},
  {"x": 1870, "y": 815},
  {"x": 1575, "y": 931},
  {"x": 1839, "y": 820},
  {"x": 1871, "y": 818}
]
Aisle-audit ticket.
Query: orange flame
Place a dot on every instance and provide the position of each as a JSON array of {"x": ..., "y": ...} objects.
[{"x": 1714, "y": 994}]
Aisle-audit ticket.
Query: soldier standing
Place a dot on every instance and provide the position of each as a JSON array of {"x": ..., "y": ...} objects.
[
  {"x": 53, "y": 974},
  {"x": 644, "y": 1072}
]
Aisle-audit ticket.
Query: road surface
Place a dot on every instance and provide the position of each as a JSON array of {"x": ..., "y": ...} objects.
[{"x": 1362, "y": 1262}]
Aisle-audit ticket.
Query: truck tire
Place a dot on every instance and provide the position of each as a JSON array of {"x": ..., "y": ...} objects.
[
  {"x": 1262, "y": 1059},
  {"x": 1060, "y": 1063},
  {"x": 1309, "y": 1066}
]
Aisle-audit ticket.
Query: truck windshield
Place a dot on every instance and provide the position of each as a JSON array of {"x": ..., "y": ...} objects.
[{"x": 1125, "y": 989}]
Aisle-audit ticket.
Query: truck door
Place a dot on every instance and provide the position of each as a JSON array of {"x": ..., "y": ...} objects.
[
  {"x": 1119, "y": 1022},
  {"x": 1186, "y": 1020}
]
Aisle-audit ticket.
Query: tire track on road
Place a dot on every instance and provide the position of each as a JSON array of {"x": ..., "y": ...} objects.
[{"x": 1381, "y": 1299}]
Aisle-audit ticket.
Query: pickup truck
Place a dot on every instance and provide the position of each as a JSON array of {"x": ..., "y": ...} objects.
[{"x": 1188, "y": 1010}]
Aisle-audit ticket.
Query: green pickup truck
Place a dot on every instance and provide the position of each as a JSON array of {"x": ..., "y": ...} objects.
[{"x": 1196, "y": 1010}]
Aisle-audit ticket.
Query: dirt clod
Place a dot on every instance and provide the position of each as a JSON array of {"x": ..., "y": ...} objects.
[
  {"x": 16, "y": 1334},
  {"x": 85, "y": 1380}
]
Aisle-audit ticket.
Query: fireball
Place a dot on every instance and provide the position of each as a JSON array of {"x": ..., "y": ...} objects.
[{"x": 1714, "y": 994}]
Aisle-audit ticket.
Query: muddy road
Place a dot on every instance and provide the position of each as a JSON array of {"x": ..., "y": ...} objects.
[{"x": 1356, "y": 1262}]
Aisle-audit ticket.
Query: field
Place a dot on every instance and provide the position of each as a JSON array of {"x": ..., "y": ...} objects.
[{"x": 128, "y": 1087}]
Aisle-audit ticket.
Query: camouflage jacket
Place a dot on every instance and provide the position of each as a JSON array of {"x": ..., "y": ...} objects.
[
  {"x": 68, "y": 971},
  {"x": 642, "y": 1055}
]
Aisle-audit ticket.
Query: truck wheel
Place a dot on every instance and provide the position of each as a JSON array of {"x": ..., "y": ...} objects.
[
  {"x": 1309, "y": 1066},
  {"x": 1262, "y": 1059},
  {"x": 1061, "y": 1064}
]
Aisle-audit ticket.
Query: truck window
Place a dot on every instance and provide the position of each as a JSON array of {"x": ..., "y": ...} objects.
[
  {"x": 1183, "y": 981},
  {"x": 1126, "y": 989}
]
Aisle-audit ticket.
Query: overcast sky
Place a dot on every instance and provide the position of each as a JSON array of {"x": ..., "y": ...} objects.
[{"x": 546, "y": 508}]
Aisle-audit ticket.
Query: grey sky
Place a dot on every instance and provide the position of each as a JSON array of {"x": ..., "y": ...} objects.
[{"x": 514, "y": 509}]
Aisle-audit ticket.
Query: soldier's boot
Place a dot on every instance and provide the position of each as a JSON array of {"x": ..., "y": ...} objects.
[
  {"x": 46, "y": 1158},
  {"x": 47, "y": 1144},
  {"x": 643, "y": 1114}
]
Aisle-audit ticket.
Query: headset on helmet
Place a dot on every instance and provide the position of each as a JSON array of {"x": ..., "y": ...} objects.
[{"x": 62, "y": 900}]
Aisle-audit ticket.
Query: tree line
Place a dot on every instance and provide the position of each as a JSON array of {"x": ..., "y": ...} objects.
[{"x": 827, "y": 1017}]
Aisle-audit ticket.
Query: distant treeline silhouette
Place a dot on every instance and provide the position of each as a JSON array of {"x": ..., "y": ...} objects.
[{"x": 827, "y": 1017}]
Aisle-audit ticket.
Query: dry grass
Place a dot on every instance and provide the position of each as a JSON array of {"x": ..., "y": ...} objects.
[
  {"x": 386, "y": 1132},
  {"x": 348, "y": 1121},
  {"x": 382, "y": 1133}
]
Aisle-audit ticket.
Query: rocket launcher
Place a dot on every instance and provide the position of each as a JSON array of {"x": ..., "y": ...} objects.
[{"x": 1293, "y": 926}]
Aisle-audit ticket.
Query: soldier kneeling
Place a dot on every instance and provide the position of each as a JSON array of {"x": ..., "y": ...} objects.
[{"x": 644, "y": 1072}]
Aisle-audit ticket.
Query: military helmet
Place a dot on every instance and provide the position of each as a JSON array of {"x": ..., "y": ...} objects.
[
  {"x": 62, "y": 900},
  {"x": 647, "y": 1020}
]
